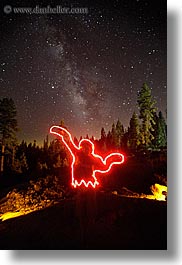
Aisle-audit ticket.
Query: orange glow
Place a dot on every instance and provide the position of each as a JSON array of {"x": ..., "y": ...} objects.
[
  {"x": 159, "y": 192},
  {"x": 95, "y": 163},
  {"x": 10, "y": 215}
]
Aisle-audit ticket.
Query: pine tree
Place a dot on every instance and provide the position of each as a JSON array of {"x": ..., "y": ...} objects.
[
  {"x": 147, "y": 110},
  {"x": 103, "y": 140},
  {"x": 46, "y": 143},
  {"x": 119, "y": 133},
  {"x": 160, "y": 134},
  {"x": 103, "y": 134},
  {"x": 62, "y": 124},
  {"x": 114, "y": 136},
  {"x": 20, "y": 165},
  {"x": 8, "y": 125},
  {"x": 109, "y": 140},
  {"x": 24, "y": 164},
  {"x": 134, "y": 132},
  {"x": 164, "y": 128}
]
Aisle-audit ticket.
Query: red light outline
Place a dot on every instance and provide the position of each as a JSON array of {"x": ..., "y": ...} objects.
[{"x": 74, "y": 182}]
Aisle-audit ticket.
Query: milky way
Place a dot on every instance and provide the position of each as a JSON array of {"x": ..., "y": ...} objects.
[{"x": 87, "y": 68}]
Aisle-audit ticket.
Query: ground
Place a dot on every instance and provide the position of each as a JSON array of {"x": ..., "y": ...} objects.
[{"x": 114, "y": 222}]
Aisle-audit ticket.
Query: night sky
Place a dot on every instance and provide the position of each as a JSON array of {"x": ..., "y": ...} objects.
[{"x": 87, "y": 68}]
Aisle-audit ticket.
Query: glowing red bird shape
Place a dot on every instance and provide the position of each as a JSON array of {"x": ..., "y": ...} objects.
[{"x": 85, "y": 163}]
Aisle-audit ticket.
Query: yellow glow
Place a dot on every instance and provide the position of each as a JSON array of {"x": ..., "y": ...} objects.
[
  {"x": 10, "y": 215},
  {"x": 157, "y": 191}
]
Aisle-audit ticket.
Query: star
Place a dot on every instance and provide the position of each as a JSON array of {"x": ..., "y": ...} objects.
[{"x": 86, "y": 68}]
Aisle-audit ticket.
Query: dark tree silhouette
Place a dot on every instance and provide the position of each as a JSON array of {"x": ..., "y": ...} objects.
[
  {"x": 8, "y": 125},
  {"x": 119, "y": 133},
  {"x": 134, "y": 131},
  {"x": 147, "y": 110},
  {"x": 160, "y": 132}
]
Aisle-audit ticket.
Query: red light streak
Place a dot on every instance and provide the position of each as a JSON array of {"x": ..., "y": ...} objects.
[{"x": 99, "y": 165}]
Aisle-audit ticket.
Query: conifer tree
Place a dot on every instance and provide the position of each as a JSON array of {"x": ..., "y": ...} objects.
[
  {"x": 147, "y": 111},
  {"x": 103, "y": 140},
  {"x": 119, "y": 133},
  {"x": 133, "y": 132},
  {"x": 114, "y": 136},
  {"x": 109, "y": 140},
  {"x": 8, "y": 125},
  {"x": 163, "y": 126},
  {"x": 160, "y": 134},
  {"x": 103, "y": 134}
]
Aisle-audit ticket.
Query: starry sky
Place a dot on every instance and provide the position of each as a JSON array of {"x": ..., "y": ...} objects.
[{"x": 84, "y": 68}]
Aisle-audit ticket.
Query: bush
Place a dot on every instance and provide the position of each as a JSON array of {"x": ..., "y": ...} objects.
[{"x": 38, "y": 195}]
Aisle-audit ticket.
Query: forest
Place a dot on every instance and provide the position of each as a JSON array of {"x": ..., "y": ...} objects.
[
  {"x": 35, "y": 186},
  {"x": 145, "y": 138}
]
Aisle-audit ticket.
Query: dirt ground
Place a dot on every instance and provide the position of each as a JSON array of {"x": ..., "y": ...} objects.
[{"x": 102, "y": 221}]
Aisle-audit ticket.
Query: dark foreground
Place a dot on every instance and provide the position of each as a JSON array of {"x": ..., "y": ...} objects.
[{"x": 107, "y": 222}]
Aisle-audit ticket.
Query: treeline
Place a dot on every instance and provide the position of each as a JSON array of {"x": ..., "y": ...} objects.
[
  {"x": 146, "y": 131},
  {"x": 134, "y": 138},
  {"x": 23, "y": 162}
]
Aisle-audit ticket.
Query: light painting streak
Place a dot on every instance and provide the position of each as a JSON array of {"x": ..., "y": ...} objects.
[{"x": 72, "y": 148}]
